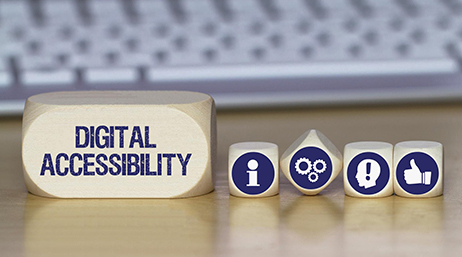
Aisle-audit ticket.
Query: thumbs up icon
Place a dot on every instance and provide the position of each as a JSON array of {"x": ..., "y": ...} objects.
[{"x": 413, "y": 175}]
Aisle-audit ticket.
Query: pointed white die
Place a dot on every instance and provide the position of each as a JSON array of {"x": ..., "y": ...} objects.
[{"x": 311, "y": 163}]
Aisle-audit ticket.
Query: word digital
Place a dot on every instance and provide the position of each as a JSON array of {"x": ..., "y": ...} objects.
[{"x": 119, "y": 144}]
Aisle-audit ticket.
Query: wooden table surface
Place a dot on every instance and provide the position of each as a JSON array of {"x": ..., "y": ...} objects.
[{"x": 329, "y": 224}]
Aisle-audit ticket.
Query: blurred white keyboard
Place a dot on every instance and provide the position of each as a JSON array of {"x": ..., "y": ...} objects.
[{"x": 245, "y": 53}]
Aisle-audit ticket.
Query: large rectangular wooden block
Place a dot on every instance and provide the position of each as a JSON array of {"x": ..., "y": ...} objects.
[{"x": 119, "y": 144}]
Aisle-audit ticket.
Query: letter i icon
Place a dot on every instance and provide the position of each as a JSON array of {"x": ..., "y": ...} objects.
[{"x": 253, "y": 173}]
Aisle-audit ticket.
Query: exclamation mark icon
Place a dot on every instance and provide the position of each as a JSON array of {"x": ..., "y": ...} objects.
[{"x": 368, "y": 171}]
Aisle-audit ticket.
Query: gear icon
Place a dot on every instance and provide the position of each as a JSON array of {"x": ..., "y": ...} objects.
[
  {"x": 300, "y": 161},
  {"x": 313, "y": 177},
  {"x": 315, "y": 166}
]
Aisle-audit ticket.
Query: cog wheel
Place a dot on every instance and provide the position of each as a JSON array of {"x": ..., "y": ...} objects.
[
  {"x": 315, "y": 167},
  {"x": 311, "y": 178},
  {"x": 300, "y": 161}
]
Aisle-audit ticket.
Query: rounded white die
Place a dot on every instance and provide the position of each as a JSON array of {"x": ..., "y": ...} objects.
[
  {"x": 418, "y": 169},
  {"x": 367, "y": 169},
  {"x": 253, "y": 169}
]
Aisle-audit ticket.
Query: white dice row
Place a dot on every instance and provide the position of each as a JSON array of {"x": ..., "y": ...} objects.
[{"x": 312, "y": 162}]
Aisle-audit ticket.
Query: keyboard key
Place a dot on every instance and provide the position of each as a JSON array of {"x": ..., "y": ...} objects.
[
  {"x": 5, "y": 79},
  {"x": 104, "y": 12},
  {"x": 48, "y": 78},
  {"x": 5, "y": 75},
  {"x": 152, "y": 12},
  {"x": 200, "y": 10},
  {"x": 135, "y": 60},
  {"x": 60, "y": 11},
  {"x": 44, "y": 70},
  {"x": 15, "y": 12},
  {"x": 108, "y": 75}
]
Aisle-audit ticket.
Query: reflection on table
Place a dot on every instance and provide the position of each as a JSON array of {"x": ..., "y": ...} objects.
[
  {"x": 254, "y": 224},
  {"x": 395, "y": 221},
  {"x": 73, "y": 227}
]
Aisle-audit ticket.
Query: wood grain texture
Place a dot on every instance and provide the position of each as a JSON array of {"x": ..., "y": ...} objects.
[
  {"x": 312, "y": 138},
  {"x": 119, "y": 144},
  {"x": 384, "y": 150},
  {"x": 217, "y": 224},
  {"x": 270, "y": 151}
]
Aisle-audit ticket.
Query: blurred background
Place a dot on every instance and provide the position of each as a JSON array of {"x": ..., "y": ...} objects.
[{"x": 245, "y": 53}]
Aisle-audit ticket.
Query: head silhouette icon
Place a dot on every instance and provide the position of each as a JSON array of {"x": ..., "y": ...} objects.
[{"x": 368, "y": 171}]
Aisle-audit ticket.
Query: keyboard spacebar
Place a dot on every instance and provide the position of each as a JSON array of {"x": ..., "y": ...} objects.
[{"x": 293, "y": 70}]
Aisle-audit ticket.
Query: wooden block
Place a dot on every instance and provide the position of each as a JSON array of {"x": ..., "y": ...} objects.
[
  {"x": 253, "y": 169},
  {"x": 418, "y": 169},
  {"x": 119, "y": 144},
  {"x": 311, "y": 163},
  {"x": 368, "y": 169}
]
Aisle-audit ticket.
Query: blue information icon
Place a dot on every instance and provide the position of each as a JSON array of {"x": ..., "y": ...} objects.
[
  {"x": 253, "y": 173},
  {"x": 368, "y": 173},
  {"x": 417, "y": 173},
  {"x": 310, "y": 167}
]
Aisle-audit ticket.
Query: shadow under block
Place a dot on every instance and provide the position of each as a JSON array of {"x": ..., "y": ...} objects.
[
  {"x": 367, "y": 169},
  {"x": 311, "y": 163},
  {"x": 253, "y": 169},
  {"x": 119, "y": 144},
  {"x": 418, "y": 169}
]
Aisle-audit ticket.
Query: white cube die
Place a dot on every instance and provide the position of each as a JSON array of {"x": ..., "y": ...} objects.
[
  {"x": 311, "y": 163},
  {"x": 418, "y": 169},
  {"x": 368, "y": 169},
  {"x": 253, "y": 169}
]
